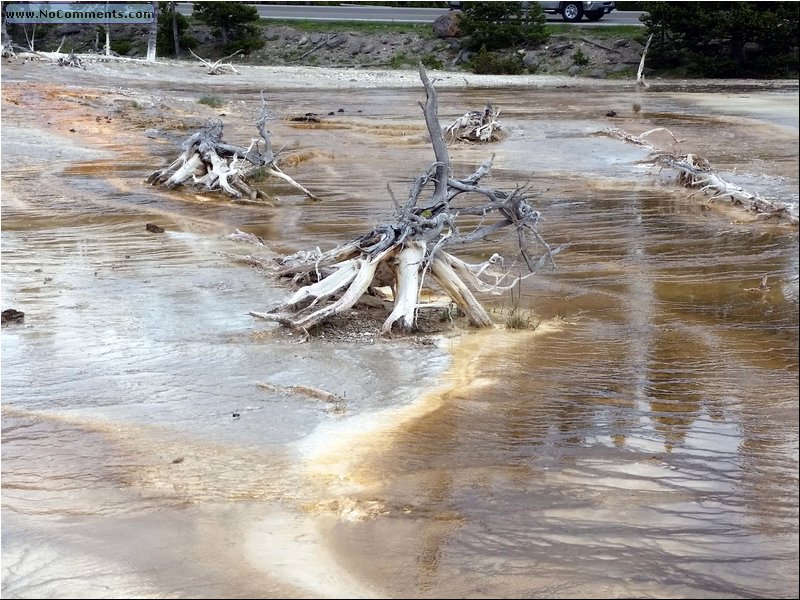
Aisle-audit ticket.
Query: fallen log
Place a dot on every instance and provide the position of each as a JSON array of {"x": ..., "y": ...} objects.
[
  {"x": 213, "y": 165},
  {"x": 402, "y": 253},
  {"x": 695, "y": 172}
]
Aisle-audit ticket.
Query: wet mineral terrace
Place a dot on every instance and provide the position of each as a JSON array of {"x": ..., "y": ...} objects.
[{"x": 640, "y": 439}]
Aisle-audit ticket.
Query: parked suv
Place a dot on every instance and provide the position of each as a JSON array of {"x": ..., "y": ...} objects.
[
  {"x": 569, "y": 11},
  {"x": 574, "y": 11}
]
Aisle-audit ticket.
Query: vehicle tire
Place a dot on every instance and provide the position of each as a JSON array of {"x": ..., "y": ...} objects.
[
  {"x": 594, "y": 15},
  {"x": 572, "y": 12}
]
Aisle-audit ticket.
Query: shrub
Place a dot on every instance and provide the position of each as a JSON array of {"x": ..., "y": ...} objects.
[
  {"x": 492, "y": 63},
  {"x": 212, "y": 101},
  {"x": 121, "y": 47},
  {"x": 724, "y": 39},
  {"x": 234, "y": 22},
  {"x": 431, "y": 61},
  {"x": 497, "y": 25},
  {"x": 400, "y": 59},
  {"x": 579, "y": 58}
]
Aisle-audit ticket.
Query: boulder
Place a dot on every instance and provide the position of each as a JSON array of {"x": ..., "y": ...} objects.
[{"x": 446, "y": 26}]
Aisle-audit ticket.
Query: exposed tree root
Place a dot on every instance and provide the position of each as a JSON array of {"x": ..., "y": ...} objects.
[
  {"x": 213, "y": 165},
  {"x": 416, "y": 244},
  {"x": 476, "y": 126}
]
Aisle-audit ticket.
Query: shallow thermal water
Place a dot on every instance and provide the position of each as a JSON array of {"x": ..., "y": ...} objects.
[{"x": 642, "y": 441}]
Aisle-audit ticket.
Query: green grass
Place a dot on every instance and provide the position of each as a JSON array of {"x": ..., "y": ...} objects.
[
  {"x": 399, "y": 60},
  {"x": 212, "y": 101},
  {"x": 421, "y": 29},
  {"x": 612, "y": 32},
  {"x": 516, "y": 320}
]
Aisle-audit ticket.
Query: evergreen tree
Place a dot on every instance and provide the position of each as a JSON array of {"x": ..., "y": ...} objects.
[
  {"x": 724, "y": 39},
  {"x": 234, "y": 22},
  {"x": 497, "y": 25}
]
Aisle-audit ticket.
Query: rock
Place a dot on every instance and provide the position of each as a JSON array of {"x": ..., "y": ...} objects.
[
  {"x": 597, "y": 74},
  {"x": 611, "y": 113},
  {"x": 366, "y": 48},
  {"x": 302, "y": 40},
  {"x": 621, "y": 43},
  {"x": 336, "y": 41},
  {"x": 446, "y": 26},
  {"x": 315, "y": 38},
  {"x": 11, "y": 315},
  {"x": 619, "y": 68},
  {"x": 573, "y": 70},
  {"x": 530, "y": 59},
  {"x": 153, "y": 228},
  {"x": 464, "y": 56}
]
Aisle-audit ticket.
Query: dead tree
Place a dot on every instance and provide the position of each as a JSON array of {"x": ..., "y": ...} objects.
[
  {"x": 417, "y": 244},
  {"x": 695, "y": 172},
  {"x": 152, "y": 35},
  {"x": 217, "y": 67},
  {"x": 5, "y": 38},
  {"x": 641, "y": 84},
  {"x": 211, "y": 164},
  {"x": 476, "y": 126}
]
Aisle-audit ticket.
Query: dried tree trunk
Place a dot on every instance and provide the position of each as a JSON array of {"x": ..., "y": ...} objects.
[
  {"x": 176, "y": 38},
  {"x": 414, "y": 245},
  {"x": 476, "y": 126},
  {"x": 153, "y": 35},
  {"x": 640, "y": 82},
  {"x": 695, "y": 172},
  {"x": 210, "y": 163},
  {"x": 5, "y": 38}
]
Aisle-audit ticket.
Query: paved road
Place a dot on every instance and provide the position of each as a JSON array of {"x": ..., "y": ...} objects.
[{"x": 388, "y": 14}]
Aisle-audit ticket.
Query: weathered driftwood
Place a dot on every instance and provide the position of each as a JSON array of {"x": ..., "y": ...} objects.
[
  {"x": 694, "y": 172},
  {"x": 403, "y": 253},
  {"x": 71, "y": 60},
  {"x": 641, "y": 84},
  {"x": 217, "y": 67},
  {"x": 213, "y": 165},
  {"x": 476, "y": 126}
]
